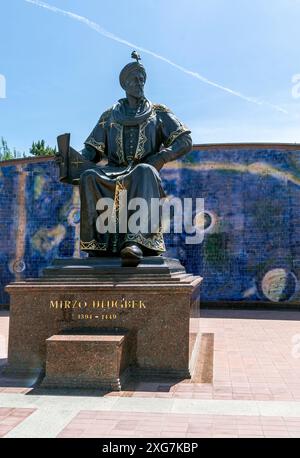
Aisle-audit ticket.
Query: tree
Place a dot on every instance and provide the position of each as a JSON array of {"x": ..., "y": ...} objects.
[
  {"x": 37, "y": 149},
  {"x": 40, "y": 149},
  {"x": 5, "y": 152}
]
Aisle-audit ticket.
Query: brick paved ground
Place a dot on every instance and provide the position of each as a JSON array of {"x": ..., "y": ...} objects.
[
  {"x": 10, "y": 418},
  {"x": 128, "y": 424},
  {"x": 255, "y": 391}
]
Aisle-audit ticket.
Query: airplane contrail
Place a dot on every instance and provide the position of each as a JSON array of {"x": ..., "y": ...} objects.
[{"x": 111, "y": 36}]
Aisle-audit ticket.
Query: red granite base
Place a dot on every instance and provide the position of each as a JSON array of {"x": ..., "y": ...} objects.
[
  {"x": 154, "y": 315},
  {"x": 86, "y": 361}
]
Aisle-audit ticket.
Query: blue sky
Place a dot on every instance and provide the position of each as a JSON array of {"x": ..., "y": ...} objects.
[{"x": 61, "y": 74}]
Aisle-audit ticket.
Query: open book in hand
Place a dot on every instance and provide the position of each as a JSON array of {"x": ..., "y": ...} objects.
[{"x": 73, "y": 164}]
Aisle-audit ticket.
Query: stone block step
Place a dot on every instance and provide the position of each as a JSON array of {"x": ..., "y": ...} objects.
[{"x": 86, "y": 361}]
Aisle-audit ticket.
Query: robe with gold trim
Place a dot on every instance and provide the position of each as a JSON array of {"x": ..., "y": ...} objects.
[{"x": 136, "y": 143}]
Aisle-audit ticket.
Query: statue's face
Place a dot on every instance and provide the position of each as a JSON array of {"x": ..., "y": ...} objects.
[{"x": 135, "y": 83}]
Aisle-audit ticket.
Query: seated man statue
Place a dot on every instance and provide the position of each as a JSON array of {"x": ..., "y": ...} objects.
[{"x": 137, "y": 137}]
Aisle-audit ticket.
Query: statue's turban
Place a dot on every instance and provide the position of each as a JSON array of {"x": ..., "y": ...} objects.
[{"x": 129, "y": 68}]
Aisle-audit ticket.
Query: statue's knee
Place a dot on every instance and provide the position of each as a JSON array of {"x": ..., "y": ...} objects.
[{"x": 144, "y": 168}]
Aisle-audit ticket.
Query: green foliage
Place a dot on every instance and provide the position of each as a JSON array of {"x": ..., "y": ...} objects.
[
  {"x": 5, "y": 152},
  {"x": 40, "y": 149}
]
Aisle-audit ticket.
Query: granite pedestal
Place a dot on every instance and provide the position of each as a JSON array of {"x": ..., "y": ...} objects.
[{"x": 93, "y": 320}]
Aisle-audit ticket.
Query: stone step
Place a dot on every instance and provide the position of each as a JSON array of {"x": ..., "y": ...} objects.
[
  {"x": 108, "y": 267},
  {"x": 69, "y": 277},
  {"x": 89, "y": 361}
]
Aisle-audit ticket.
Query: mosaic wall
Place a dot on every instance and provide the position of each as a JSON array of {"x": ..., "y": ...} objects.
[{"x": 251, "y": 246}]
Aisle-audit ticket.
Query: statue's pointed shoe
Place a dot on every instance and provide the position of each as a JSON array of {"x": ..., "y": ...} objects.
[{"x": 131, "y": 255}]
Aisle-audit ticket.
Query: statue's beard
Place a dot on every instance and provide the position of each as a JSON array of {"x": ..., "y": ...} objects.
[{"x": 137, "y": 93}]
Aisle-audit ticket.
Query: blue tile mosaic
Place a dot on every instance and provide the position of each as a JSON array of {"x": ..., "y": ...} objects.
[{"x": 252, "y": 213}]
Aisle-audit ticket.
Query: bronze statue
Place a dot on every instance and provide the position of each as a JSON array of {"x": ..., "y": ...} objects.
[{"x": 137, "y": 138}]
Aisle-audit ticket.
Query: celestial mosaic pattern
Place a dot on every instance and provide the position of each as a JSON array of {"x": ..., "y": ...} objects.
[
  {"x": 252, "y": 203},
  {"x": 279, "y": 285},
  {"x": 251, "y": 220}
]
